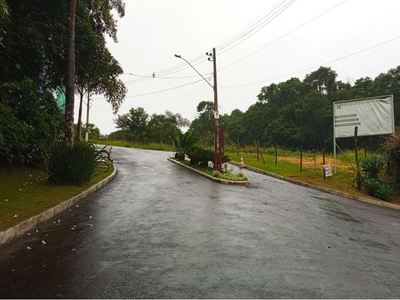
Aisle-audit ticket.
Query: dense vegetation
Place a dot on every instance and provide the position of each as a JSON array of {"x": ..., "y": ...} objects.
[{"x": 33, "y": 51}]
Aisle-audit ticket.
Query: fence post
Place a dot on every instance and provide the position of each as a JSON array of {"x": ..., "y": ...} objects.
[
  {"x": 358, "y": 176},
  {"x": 276, "y": 154},
  {"x": 323, "y": 161},
  {"x": 258, "y": 151},
  {"x": 301, "y": 158}
]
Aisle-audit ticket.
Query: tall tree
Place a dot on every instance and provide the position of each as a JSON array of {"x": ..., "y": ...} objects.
[
  {"x": 70, "y": 86},
  {"x": 135, "y": 122}
]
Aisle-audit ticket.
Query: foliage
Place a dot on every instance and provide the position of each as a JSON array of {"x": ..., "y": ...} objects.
[
  {"x": 371, "y": 185},
  {"x": 135, "y": 121},
  {"x": 373, "y": 165},
  {"x": 384, "y": 192},
  {"x": 30, "y": 124},
  {"x": 229, "y": 176},
  {"x": 297, "y": 113},
  {"x": 392, "y": 148},
  {"x": 75, "y": 165},
  {"x": 185, "y": 141},
  {"x": 376, "y": 188}
]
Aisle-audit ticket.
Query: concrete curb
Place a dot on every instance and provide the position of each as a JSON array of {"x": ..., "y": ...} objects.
[
  {"x": 323, "y": 189},
  {"x": 245, "y": 183},
  {"x": 21, "y": 228}
]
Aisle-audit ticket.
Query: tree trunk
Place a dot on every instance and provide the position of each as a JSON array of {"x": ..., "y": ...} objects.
[
  {"x": 79, "y": 125},
  {"x": 69, "y": 101}
]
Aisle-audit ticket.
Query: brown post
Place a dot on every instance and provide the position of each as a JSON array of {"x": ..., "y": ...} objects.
[
  {"x": 276, "y": 154},
  {"x": 301, "y": 158},
  {"x": 258, "y": 151},
  {"x": 358, "y": 176},
  {"x": 323, "y": 161}
]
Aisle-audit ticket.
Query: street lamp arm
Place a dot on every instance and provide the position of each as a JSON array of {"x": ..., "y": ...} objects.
[{"x": 179, "y": 56}]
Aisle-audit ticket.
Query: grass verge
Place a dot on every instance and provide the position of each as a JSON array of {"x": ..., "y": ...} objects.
[
  {"x": 128, "y": 144},
  {"x": 312, "y": 173},
  {"x": 24, "y": 193}
]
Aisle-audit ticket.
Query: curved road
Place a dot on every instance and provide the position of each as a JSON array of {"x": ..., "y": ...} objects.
[{"x": 161, "y": 231}]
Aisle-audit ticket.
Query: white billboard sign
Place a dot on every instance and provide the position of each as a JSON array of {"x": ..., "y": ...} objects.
[{"x": 373, "y": 116}]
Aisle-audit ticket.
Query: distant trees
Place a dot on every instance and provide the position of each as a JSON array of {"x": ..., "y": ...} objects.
[
  {"x": 138, "y": 126},
  {"x": 298, "y": 112}
]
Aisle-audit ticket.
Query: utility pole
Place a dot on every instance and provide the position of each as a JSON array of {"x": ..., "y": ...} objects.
[{"x": 217, "y": 133}]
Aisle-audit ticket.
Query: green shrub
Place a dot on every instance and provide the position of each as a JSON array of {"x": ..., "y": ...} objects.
[
  {"x": 378, "y": 189},
  {"x": 75, "y": 165},
  {"x": 216, "y": 174},
  {"x": 240, "y": 175},
  {"x": 371, "y": 185},
  {"x": 372, "y": 165},
  {"x": 30, "y": 124},
  {"x": 384, "y": 192}
]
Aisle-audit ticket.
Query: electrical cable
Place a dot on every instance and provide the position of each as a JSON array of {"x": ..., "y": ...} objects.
[
  {"x": 309, "y": 21},
  {"x": 315, "y": 66}
]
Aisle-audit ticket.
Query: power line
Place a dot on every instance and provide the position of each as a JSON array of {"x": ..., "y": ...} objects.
[
  {"x": 161, "y": 77},
  {"x": 315, "y": 66},
  {"x": 244, "y": 31},
  {"x": 286, "y": 34},
  {"x": 258, "y": 28},
  {"x": 259, "y": 23},
  {"x": 160, "y": 91}
]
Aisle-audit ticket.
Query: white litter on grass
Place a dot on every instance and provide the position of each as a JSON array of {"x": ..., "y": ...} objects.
[
  {"x": 91, "y": 225},
  {"x": 28, "y": 233},
  {"x": 90, "y": 217},
  {"x": 6, "y": 200},
  {"x": 77, "y": 205},
  {"x": 15, "y": 216},
  {"x": 43, "y": 242},
  {"x": 20, "y": 190},
  {"x": 73, "y": 227},
  {"x": 73, "y": 249},
  {"x": 37, "y": 230},
  {"x": 58, "y": 221},
  {"x": 28, "y": 248}
]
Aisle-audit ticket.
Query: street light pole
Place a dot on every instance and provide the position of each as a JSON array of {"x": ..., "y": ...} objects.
[{"x": 218, "y": 137}]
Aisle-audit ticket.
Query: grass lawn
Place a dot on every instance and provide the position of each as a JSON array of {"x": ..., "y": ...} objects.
[
  {"x": 289, "y": 166},
  {"x": 24, "y": 193},
  {"x": 127, "y": 144}
]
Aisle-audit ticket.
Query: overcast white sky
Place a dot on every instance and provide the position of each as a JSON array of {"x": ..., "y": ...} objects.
[{"x": 154, "y": 30}]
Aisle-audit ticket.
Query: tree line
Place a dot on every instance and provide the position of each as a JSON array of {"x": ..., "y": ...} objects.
[{"x": 298, "y": 113}]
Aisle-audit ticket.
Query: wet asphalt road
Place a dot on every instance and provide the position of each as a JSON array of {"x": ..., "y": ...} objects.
[{"x": 161, "y": 231}]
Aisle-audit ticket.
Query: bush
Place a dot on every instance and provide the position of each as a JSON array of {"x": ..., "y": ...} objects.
[
  {"x": 371, "y": 185},
  {"x": 373, "y": 165},
  {"x": 30, "y": 124},
  {"x": 384, "y": 192},
  {"x": 378, "y": 189},
  {"x": 75, "y": 165},
  {"x": 216, "y": 174}
]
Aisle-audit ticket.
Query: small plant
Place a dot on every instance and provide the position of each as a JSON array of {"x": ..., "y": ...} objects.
[
  {"x": 384, "y": 192},
  {"x": 378, "y": 189},
  {"x": 75, "y": 165},
  {"x": 373, "y": 165},
  {"x": 371, "y": 185},
  {"x": 216, "y": 174},
  {"x": 241, "y": 175}
]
